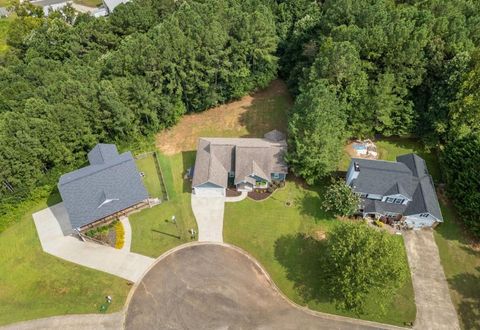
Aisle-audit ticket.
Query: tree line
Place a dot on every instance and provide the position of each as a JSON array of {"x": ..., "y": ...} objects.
[
  {"x": 69, "y": 82},
  {"x": 394, "y": 68}
]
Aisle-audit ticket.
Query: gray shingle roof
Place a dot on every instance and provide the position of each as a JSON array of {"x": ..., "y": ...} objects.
[
  {"x": 112, "y": 4},
  {"x": 408, "y": 176},
  {"x": 246, "y": 156},
  {"x": 102, "y": 188}
]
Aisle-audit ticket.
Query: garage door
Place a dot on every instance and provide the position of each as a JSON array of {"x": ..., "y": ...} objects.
[{"x": 210, "y": 192}]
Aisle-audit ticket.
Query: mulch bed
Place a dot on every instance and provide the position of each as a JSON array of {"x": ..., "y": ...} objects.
[
  {"x": 233, "y": 193},
  {"x": 258, "y": 196}
]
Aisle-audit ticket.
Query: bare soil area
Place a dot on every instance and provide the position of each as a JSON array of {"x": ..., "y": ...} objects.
[{"x": 251, "y": 116}]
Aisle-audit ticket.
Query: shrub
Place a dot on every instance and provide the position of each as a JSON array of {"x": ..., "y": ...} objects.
[
  {"x": 340, "y": 199},
  {"x": 119, "y": 235}
]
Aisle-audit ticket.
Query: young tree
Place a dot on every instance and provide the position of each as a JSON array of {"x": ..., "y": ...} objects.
[
  {"x": 340, "y": 199},
  {"x": 316, "y": 132},
  {"x": 362, "y": 261}
]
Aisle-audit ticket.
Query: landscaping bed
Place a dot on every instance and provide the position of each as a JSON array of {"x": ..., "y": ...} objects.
[{"x": 112, "y": 234}]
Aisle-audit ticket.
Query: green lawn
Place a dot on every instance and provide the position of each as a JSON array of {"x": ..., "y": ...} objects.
[
  {"x": 461, "y": 264},
  {"x": 88, "y": 3},
  {"x": 4, "y": 24},
  {"x": 35, "y": 284},
  {"x": 152, "y": 231},
  {"x": 275, "y": 235},
  {"x": 152, "y": 179}
]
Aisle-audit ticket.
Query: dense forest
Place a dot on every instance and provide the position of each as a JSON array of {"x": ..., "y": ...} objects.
[{"x": 356, "y": 68}]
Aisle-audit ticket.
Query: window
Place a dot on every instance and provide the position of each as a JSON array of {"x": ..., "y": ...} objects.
[
  {"x": 390, "y": 200},
  {"x": 231, "y": 174},
  {"x": 276, "y": 176},
  {"x": 362, "y": 195},
  {"x": 424, "y": 215},
  {"x": 399, "y": 201}
]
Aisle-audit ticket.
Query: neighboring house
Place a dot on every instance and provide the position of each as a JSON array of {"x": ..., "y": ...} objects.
[
  {"x": 401, "y": 190},
  {"x": 111, "y": 4},
  {"x": 246, "y": 163},
  {"x": 51, "y": 5},
  {"x": 109, "y": 185}
]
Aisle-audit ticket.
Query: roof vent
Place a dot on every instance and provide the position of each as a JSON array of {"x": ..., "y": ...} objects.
[{"x": 356, "y": 166}]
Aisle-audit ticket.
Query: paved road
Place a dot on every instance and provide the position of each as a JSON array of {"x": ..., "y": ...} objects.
[
  {"x": 435, "y": 310},
  {"x": 208, "y": 286},
  {"x": 52, "y": 224},
  {"x": 112, "y": 321},
  {"x": 208, "y": 212}
]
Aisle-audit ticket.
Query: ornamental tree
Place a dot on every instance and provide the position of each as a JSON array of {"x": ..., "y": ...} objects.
[{"x": 340, "y": 199}]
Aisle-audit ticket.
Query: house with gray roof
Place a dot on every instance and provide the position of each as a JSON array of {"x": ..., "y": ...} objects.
[
  {"x": 244, "y": 163},
  {"x": 110, "y": 185},
  {"x": 396, "y": 190}
]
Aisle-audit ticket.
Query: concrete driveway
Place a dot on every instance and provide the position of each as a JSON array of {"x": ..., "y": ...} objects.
[
  {"x": 52, "y": 225},
  {"x": 435, "y": 310},
  {"x": 208, "y": 212},
  {"x": 215, "y": 286}
]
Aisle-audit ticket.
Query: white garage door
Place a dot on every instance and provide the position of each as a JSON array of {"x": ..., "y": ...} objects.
[{"x": 210, "y": 192}]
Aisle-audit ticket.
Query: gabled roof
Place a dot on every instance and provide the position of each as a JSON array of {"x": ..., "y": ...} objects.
[
  {"x": 216, "y": 157},
  {"x": 111, "y": 4},
  {"x": 110, "y": 184},
  {"x": 408, "y": 176}
]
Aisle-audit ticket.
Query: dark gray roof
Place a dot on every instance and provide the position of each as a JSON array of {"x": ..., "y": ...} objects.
[
  {"x": 110, "y": 184},
  {"x": 408, "y": 176},
  {"x": 246, "y": 156},
  {"x": 375, "y": 206},
  {"x": 275, "y": 135}
]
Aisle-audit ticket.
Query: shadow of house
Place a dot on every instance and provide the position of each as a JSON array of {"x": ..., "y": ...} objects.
[
  {"x": 268, "y": 110},
  {"x": 467, "y": 286},
  {"x": 304, "y": 262},
  {"x": 188, "y": 161}
]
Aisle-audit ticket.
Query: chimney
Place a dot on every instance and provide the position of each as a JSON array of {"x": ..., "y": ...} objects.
[{"x": 356, "y": 166}]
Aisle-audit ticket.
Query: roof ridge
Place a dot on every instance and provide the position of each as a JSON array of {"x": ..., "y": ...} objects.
[{"x": 104, "y": 167}]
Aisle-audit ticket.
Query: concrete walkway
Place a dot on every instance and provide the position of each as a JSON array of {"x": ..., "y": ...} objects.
[
  {"x": 237, "y": 198},
  {"x": 208, "y": 212},
  {"x": 128, "y": 234},
  {"x": 112, "y": 321},
  {"x": 51, "y": 221},
  {"x": 435, "y": 310}
]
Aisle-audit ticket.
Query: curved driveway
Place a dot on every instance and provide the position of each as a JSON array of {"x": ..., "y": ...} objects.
[{"x": 209, "y": 286}]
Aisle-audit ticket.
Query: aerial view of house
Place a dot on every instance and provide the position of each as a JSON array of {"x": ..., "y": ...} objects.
[
  {"x": 401, "y": 190},
  {"x": 111, "y": 184},
  {"x": 243, "y": 163},
  {"x": 233, "y": 164}
]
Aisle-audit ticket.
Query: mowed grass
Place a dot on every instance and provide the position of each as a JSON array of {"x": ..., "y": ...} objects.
[
  {"x": 153, "y": 232},
  {"x": 88, "y": 3},
  {"x": 461, "y": 263},
  {"x": 35, "y": 284},
  {"x": 151, "y": 179},
  {"x": 275, "y": 234},
  {"x": 251, "y": 116},
  {"x": 4, "y": 25}
]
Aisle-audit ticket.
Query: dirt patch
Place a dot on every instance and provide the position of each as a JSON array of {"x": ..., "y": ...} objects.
[
  {"x": 251, "y": 116},
  {"x": 259, "y": 195},
  {"x": 319, "y": 235}
]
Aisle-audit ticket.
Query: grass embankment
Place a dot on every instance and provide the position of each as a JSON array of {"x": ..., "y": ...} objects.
[
  {"x": 274, "y": 234},
  {"x": 461, "y": 263},
  {"x": 153, "y": 232},
  {"x": 35, "y": 284},
  {"x": 4, "y": 25}
]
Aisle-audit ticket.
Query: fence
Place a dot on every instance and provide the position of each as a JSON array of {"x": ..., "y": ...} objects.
[{"x": 163, "y": 185}]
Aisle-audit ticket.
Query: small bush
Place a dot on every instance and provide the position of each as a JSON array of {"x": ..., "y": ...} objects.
[{"x": 378, "y": 223}]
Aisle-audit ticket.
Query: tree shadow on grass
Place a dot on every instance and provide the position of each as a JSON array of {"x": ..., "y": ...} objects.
[
  {"x": 468, "y": 287},
  {"x": 188, "y": 160},
  {"x": 304, "y": 261}
]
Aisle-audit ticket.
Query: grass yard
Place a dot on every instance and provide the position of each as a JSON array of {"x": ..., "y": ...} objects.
[
  {"x": 274, "y": 235},
  {"x": 252, "y": 116},
  {"x": 461, "y": 264},
  {"x": 35, "y": 285},
  {"x": 4, "y": 24},
  {"x": 153, "y": 233},
  {"x": 152, "y": 179},
  {"x": 88, "y": 3}
]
